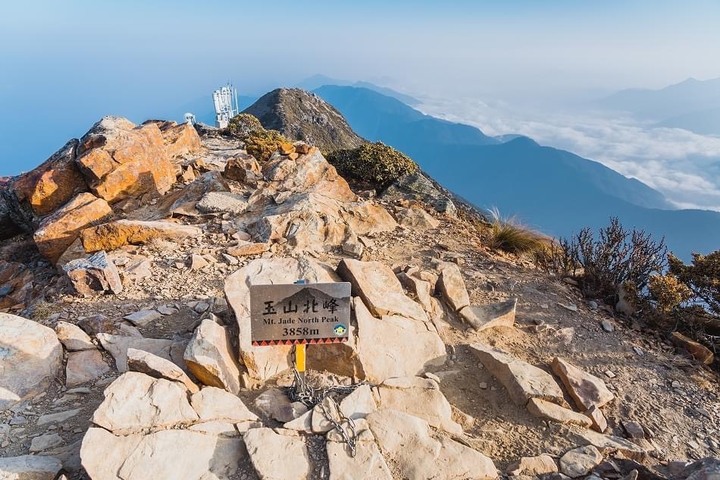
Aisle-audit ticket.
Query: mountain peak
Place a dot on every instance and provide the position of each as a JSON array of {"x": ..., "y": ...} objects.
[{"x": 302, "y": 115}]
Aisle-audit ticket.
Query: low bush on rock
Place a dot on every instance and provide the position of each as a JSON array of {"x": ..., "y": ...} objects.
[
  {"x": 262, "y": 144},
  {"x": 373, "y": 164},
  {"x": 243, "y": 125}
]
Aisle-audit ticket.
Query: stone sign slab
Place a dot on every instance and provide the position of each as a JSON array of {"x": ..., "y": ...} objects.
[{"x": 290, "y": 314}]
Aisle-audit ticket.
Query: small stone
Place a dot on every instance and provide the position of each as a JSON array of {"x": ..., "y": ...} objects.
[
  {"x": 607, "y": 325},
  {"x": 483, "y": 385},
  {"x": 599, "y": 422},
  {"x": 633, "y": 429},
  {"x": 196, "y": 262},
  {"x": 201, "y": 307},
  {"x": 167, "y": 310},
  {"x": 609, "y": 374},
  {"x": 676, "y": 384},
  {"x": 229, "y": 259},
  {"x": 571, "y": 307},
  {"x": 57, "y": 417},
  {"x": 540, "y": 465},
  {"x": 580, "y": 461},
  {"x": 45, "y": 442},
  {"x": 73, "y": 337},
  {"x": 143, "y": 317}
]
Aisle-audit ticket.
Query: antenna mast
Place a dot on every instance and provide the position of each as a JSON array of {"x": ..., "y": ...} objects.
[{"x": 226, "y": 105}]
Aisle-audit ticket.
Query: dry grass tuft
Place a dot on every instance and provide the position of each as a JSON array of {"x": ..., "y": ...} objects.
[{"x": 510, "y": 236}]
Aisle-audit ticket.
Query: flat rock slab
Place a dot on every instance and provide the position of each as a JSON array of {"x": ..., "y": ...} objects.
[
  {"x": 495, "y": 315},
  {"x": 406, "y": 442},
  {"x": 158, "y": 367},
  {"x": 46, "y": 442},
  {"x": 142, "y": 318},
  {"x": 167, "y": 454},
  {"x": 118, "y": 345},
  {"x": 29, "y": 467},
  {"x": 214, "y": 404},
  {"x": 73, "y": 337},
  {"x": 277, "y": 457},
  {"x": 380, "y": 289},
  {"x": 522, "y": 380},
  {"x": 420, "y": 397},
  {"x": 395, "y": 346},
  {"x": 209, "y": 357},
  {"x": 110, "y": 236},
  {"x": 551, "y": 411},
  {"x": 57, "y": 417},
  {"x": 136, "y": 402},
  {"x": 586, "y": 390},
  {"x": 222, "y": 202},
  {"x": 30, "y": 359},
  {"x": 452, "y": 286},
  {"x": 85, "y": 366}
]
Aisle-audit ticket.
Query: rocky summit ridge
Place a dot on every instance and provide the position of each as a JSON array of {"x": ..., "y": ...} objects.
[
  {"x": 302, "y": 115},
  {"x": 125, "y": 270}
]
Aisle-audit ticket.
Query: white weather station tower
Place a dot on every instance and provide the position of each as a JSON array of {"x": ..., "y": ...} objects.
[{"x": 226, "y": 105}]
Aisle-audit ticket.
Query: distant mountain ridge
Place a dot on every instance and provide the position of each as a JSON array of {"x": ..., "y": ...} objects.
[
  {"x": 551, "y": 189},
  {"x": 680, "y": 99}
]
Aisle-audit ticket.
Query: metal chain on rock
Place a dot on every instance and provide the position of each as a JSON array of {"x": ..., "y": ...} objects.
[{"x": 302, "y": 391}]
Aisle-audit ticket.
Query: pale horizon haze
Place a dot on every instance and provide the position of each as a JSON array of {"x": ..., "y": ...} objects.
[{"x": 66, "y": 64}]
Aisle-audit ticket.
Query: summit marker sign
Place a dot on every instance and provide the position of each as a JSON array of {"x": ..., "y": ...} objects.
[{"x": 291, "y": 314}]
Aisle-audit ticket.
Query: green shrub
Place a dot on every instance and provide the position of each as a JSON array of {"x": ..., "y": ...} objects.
[
  {"x": 373, "y": 164},
  {"x": 702, "y": 277},
  {"x": 243, "y": 125},
  {"x": 262, "y": 144},
  {"x": 616, "y": 258}
]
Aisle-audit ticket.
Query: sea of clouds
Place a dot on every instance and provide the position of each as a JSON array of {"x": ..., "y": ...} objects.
[{"x": 684, "y": 166}]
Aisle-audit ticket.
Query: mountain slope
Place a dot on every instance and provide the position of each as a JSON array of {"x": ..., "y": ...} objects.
[
  {"x": 703, "y": 122},
  {"x": 685, "y": 97},
  {"x": 301, "y": 115},
  {"x": 550, "y": 189}
]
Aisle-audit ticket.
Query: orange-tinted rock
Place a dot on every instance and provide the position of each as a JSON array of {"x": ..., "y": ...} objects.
[
  {"x": 698, "y": 351},
  {"x": 180, "y": 140},
  {"x": 16, "y": 284},
  {"x": 110, "y": 236},
  {"x": 58, "y": 231},
  {"x": 248, "y": 249},
  {"x": 120, "y": 160},
  {"x": 242, "y": 169},
  {"x": 52, "y": 184}
]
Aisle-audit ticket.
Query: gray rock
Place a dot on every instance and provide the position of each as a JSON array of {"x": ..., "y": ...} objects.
[
  {"x": 580, "y": 461},
  {"x": 93, "y": 275},
  {"x": 29, "y": 467},
  {"x": 84, "y": 366},
  {"x": 417, "y": 187},
  {"x": 118, "y": 345},
  {"x": 143, "y": 317},
  {"x": 57, "y": 417},
  {"x": 484, "y": 317},
  {"x": 222, "y": 202},
  {"x": 31, "y": 358},
  {"x": 73, "y": 337},
  {"x": 45, "y": 442}
]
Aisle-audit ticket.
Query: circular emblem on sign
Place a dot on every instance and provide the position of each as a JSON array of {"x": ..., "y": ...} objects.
[{"x": 339, "y": 329}]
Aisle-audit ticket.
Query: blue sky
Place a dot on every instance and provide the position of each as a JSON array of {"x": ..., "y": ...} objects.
[{"x": 65, "y": 64}]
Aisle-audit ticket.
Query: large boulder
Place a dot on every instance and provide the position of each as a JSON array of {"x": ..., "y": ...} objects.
[
  {"x": 395, "y": 346},
  {"x": 110, "y": 236},
  {"x": 52, "y": 184},
  {"x": 60, "y": 229},
  {"x": 180, "y": 140},
  {"x": 308, "y": 203},
  {"x": 210, "y": 358},
  {"x": 263, "y": 446},
  {"x": 120, "y": 160},
  {"x": 30, "y": 359},
  {"x": 264, "y": 362},
  {"x": 136, "y": 403},
  {"x": 380, "y": 289}
]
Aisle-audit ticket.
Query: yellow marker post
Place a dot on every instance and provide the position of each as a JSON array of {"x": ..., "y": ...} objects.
[{"x": 300, "y": 358}]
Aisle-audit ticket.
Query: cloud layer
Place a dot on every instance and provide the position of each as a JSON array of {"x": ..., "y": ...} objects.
[{"x": 682, "y": 165}]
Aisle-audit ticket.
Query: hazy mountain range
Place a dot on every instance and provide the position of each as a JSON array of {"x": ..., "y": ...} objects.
[
  {"x": 553, "y": 190},
  {"x": 692, "y": 105}
]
